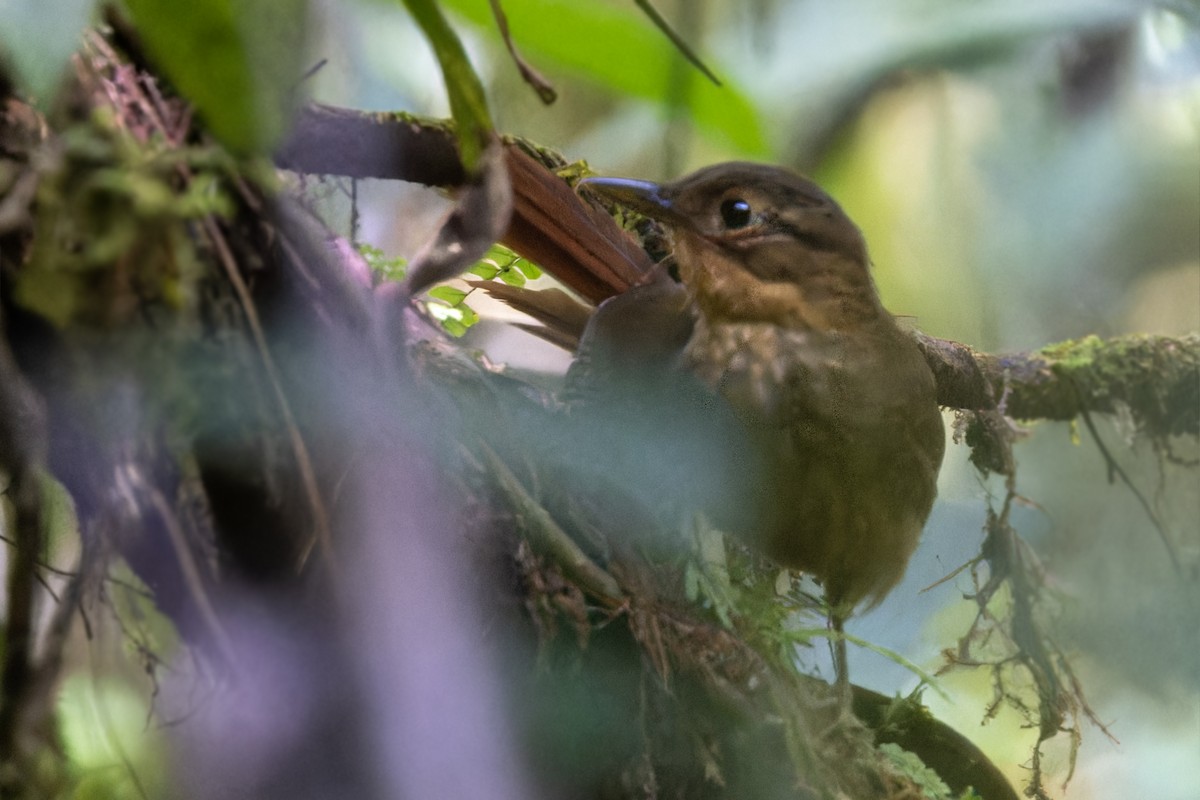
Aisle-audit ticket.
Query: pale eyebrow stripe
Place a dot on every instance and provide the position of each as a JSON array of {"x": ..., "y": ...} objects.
[{"x": 816, "y": 241}]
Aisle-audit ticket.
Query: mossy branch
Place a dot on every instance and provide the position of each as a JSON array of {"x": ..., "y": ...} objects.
[{"x": 1156, "y": 378}]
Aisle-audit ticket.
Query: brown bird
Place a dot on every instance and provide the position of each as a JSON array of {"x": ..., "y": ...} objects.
[{"x": 790, "y": 331}]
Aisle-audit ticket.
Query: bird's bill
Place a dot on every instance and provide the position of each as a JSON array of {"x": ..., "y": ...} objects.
[{"x": 644, "y": 197}]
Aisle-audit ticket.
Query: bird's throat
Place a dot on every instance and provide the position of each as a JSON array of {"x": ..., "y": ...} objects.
[{"x": 726, "y": 291}]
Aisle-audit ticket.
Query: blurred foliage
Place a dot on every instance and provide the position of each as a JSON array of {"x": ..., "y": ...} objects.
[
  {"x": 504, "y": 265},
  {"x": 449, "y": 306},
  {"x": 1024, "y": 171},
  {"x": 103, "y": 192},
  {"x": 499, "y": 264},
  {"x": 389, "y": 269},
  {"x": 912, "y": 768},
  {"x": 618, "y": 48},
  {"x": 239, "y": 62},
  {"x": 468, "y": 105},
  {"x": 113, "y": 754},
  {"x": 38, "y": 39}
]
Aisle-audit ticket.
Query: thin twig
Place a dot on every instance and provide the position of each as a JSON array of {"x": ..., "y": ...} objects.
[
  {"x": 1115, "y": 468},
  {"x": 191, "y": 573},
  {"x": 537, "y": 522},
  {"x": 544, "y": 90},
  {"x": 322, "y": 534},
  {"x": 684, "y": 49},
  {"x": 22, "y": 456}
]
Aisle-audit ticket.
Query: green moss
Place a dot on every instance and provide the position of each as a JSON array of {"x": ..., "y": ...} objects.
[
  {"x": 112, "y": 233},
  {"x": 1155, "y": 378},
  {"x": 909, "y": 766}
]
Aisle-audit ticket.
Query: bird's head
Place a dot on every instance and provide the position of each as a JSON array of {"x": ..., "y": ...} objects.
[{"x": 759, "y": 243}]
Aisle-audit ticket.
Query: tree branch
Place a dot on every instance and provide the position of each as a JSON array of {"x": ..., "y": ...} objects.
[
  {"x": 1156, "y": 378},
  {"x": 22, "y": 456}
]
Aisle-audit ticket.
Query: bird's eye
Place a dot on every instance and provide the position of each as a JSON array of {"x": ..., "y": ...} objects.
[{"x": 735, "y": 213}]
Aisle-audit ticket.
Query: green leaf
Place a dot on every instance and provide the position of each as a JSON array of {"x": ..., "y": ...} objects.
[
  {"x": 455, "y": 318},
  {"x": 468, "y": 104},
  {"x": 469, "y": 316},
  {"x": 485, "y": 269},
  {"x": 528, "y": 268},
  {"x": 453, "y": 327},
  {"x": 392, "y": 269},
  {"x": 512, "y": 277},
  {"x": 619, "y": 48},
  {"x": 204, "y": 195},
  {"x": 40, "y": 36},
  {"x": 448, "y": 295},
  {"x": 237, "y": 61}
]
